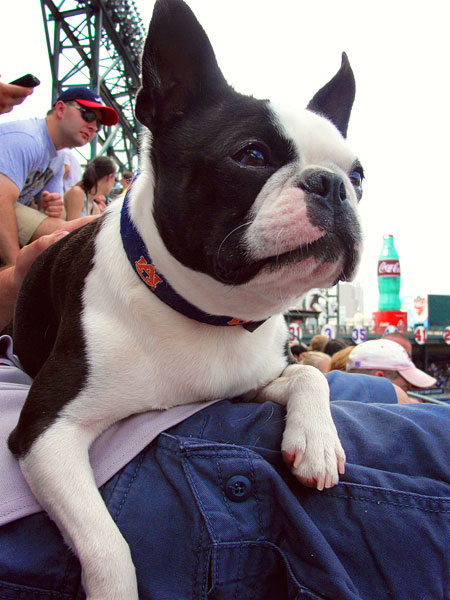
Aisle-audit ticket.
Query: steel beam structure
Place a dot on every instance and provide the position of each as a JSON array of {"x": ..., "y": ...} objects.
[{"x": 98, "y": 43}]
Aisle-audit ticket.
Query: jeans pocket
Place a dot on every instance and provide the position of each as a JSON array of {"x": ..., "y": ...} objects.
[{"x": 249, "y": 570}]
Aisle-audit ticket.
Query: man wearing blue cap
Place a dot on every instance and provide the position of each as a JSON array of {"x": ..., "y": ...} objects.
[{"x": 32, "y": 166}]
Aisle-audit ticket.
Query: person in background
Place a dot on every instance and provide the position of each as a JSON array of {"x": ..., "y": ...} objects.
[
  {"x": 32, "y": 166},
  {"x": 122, "y": 186},
  {"x": 101, "y": 201},
  {"x": 318, "y": 342},
  {"x": 401, "y": 339},
  {"x": 88, "y": 196},
  {"x": 313, "y": 358},
  {"x": 12, "y": 95},
  {"x": 441, "y": 371},
  {"x": 333, "y": 346},
  {"x": 72, "y": 170},
  {"x": 339, "y": 359},
  {"x": 385, "y": 358},
  {"x": 298, "y": 350},
  {"x": 126, "y": 179}
]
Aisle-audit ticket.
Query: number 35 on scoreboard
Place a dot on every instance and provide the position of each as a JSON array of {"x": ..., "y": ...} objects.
[{"x": 359, "y": 335}]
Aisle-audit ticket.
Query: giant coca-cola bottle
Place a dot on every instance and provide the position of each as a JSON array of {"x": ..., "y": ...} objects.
[{"x": 389, "y": 276}]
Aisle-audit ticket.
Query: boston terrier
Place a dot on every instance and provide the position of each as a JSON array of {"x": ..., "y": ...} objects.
[{"x": 240, "y": 207}]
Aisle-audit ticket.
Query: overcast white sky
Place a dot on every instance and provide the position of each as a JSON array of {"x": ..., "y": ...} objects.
[{"x": 287, "y": 49}]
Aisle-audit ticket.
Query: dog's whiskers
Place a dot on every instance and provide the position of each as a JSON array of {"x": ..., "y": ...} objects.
[
  {"x": 277, "y": 256},
  {"x": 228, "y": 235}
]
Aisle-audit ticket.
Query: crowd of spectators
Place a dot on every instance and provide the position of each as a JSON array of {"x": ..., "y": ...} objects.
[
  {"x": 389, "y": 357},
  {"x": 441, "y": 371}
]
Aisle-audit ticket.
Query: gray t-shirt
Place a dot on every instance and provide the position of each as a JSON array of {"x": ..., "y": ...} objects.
[{"x": 28, "y": 157}]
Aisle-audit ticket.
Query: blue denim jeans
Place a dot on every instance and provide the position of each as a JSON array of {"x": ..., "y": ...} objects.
[{"x": 210, "y": 512}]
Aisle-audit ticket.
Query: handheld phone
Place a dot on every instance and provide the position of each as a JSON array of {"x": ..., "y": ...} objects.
[{"x": 28, "y": 81}]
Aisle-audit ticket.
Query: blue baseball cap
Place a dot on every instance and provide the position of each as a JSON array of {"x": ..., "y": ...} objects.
[{"x": 90, "y": 99}]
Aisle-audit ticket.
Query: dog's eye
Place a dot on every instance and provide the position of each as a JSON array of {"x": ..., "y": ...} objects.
[
  {"x": 252, "y": 156},
  {"x": 356, "y": 178}
]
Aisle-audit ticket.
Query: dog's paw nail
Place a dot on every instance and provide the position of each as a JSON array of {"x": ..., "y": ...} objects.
[
  {"x": 293, "y": 459},
  {"x": 320, "y": 482},
  {"x": 298, "y": 458},
  {"x": 341, "y": 466}
]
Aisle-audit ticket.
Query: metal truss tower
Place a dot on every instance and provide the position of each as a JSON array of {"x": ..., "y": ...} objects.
[{"x": 98, "y": 44}]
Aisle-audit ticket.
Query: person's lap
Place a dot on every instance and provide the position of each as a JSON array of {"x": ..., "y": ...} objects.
[
  {"x": 28, "y": 220},
  {"x": 210, "y": 506}
]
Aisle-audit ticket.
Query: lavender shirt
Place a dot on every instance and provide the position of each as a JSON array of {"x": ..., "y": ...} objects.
[{"x": 108, "y": 454}]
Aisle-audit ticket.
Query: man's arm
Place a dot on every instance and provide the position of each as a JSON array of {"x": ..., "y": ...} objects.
[
  {"x": 9, "y": 241},
  {"x": 12, "y": 277},
  {"x": 51, "y": 200}
]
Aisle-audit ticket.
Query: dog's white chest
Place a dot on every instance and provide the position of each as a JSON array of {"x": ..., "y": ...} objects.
[{"x": 142, "y": 355}]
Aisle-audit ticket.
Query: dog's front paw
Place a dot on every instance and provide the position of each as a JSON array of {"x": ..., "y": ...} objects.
[{"x": 315, "y": 455}]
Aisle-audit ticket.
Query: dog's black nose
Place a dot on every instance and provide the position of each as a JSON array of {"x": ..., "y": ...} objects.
[{"x": 327, "y": 186}]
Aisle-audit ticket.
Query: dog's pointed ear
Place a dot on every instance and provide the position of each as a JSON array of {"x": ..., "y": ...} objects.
[
  {"x": 335, "y": 100},
  {"x": 179, "y": 68}
]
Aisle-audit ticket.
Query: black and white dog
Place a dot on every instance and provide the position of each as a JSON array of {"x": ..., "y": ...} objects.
[{"x": 240, "y": 209}]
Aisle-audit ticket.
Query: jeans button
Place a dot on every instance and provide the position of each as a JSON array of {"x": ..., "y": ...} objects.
[{"x": 238, "y": 488}]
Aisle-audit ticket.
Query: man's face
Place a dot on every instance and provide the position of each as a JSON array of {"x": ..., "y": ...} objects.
[{"x": 76, "y": 129}]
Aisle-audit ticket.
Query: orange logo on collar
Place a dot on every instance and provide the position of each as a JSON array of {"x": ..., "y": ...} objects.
[
  {"x": 237, "y": 322},
  {"x": 147, "y": 273}
]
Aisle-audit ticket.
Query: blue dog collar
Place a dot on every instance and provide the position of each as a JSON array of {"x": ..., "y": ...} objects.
[{"x": 141, "y": 262}]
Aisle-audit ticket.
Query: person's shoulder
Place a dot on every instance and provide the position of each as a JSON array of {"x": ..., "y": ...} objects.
[
  {"x": 360, "y": 387},
  {"x": 76, "y": 189},
  {"x": 74, "y": 193},
  {"x": 25, "y": 127},
  {"x": 23, "y": 134}
]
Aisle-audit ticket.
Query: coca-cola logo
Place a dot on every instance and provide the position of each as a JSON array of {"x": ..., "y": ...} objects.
[{"x": 389, "y": 268}]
